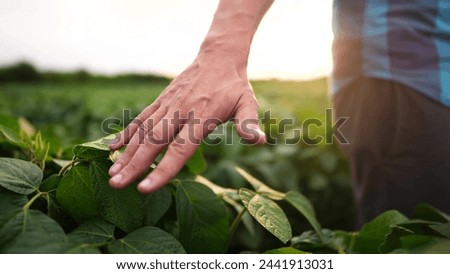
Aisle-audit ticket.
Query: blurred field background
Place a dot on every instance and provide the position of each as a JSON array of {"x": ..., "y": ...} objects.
[{"x": 69, "y": 108}]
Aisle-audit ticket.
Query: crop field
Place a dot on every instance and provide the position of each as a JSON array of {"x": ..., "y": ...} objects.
[{"x": 292, "y": 195}]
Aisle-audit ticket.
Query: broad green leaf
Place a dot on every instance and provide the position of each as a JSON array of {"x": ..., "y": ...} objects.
[
  {"x": 146, "y": 240},
  {"x": 31, "y": 231},
  {"x": 260, "y": 187},
  {"x": 429, "y": 213},
  {"x": 97, "y": 149},
  {"x": 373, "y": 234},
  {"x": 267, "y": 213},
  {"x": 156, "y": 205},
  {"x": 19, "y": 176},
  {"x": 121, "y": 207},
  {"x": 93, "y": 232},
  {"x": 197, "y": 163},
  {"x": 285, "y": 250},
  {"x": 75, "y": 193},
  {"x": 304, "y": 206},
  {"x": 10, "y": 201},
  {"x": 443, "y": 229},
  {"x": 203, "y": 219}
]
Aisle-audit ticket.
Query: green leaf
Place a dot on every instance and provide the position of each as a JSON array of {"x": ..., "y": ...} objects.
[
  {"x": 19, "y": 176},
  {"x": 304, "y": 206},
  {"x": 421, "y": 244},
  {"x": 156, "y": 205},
  {"x": 285, "y": 250},
  {"x": 267, "y": 213},
  {"x": 203, "y": 219},
  {"x": 197, "y": 163},
  {"x": 147, "y": 240},
  {"x": 443, "y": 229},
  {"x": 10, "y": 201},
  {"x": 124, "y": 207},
  {"x": 51, "y": 183},
  {"x": 260, "y": 187},
  {"x": 9, "y": 122},
  {"x": 373, "y": 234},
  {"x": 393, "y": 238},
  {"x": 31, "y": 231},
  {"x": 97, "y": 149},
  {"x": 429, "y": 213},
  {"x": 93, "y": 232},
  {"x": 75, "y": 193},
  {"x": 8, "y": 135}
]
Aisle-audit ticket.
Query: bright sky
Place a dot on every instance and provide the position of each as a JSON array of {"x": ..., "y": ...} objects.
[{"x": 162, "y": 36}]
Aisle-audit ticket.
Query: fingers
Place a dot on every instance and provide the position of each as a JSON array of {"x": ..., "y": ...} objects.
[
  {"x": 126, "y": 135},
  {"x": 142, "y": 151},
  {"x": 178, "y": 153},
  {"x": 247, "y": 123},
  {"x": 138, "y": 137}
]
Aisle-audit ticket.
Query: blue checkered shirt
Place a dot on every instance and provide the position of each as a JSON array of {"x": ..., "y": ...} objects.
[{"x": 407, "y": 41}]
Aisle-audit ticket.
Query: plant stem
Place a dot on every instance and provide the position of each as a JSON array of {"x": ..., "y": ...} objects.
[
  {"x": 31, "y": 201},
  {"x": 236, "y": 221}
]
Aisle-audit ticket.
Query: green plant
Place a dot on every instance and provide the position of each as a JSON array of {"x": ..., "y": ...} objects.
[{"x": 51, "y": 205}]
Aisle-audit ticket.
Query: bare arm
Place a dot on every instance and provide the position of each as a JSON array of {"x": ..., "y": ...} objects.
[{"x": 212, "y": 90}]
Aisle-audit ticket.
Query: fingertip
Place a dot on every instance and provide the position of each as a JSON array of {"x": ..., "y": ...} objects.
[
  {"x": 116, "y": 181},
  {"x": 114, "y": 169},
  {"x": 147, "y": 186}
]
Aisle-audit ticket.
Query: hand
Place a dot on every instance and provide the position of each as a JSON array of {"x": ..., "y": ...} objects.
[{"x": 213, "y": 90}]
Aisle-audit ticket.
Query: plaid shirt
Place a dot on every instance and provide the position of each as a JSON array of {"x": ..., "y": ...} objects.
[{"x": 407, "y": 41}]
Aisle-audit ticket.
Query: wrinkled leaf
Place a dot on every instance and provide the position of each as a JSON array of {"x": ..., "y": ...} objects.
[
  {"x": 267, "y": 213},
  {"x": 260, "y": 187},
  {"x": 203, "y": 219},
  {"x": 304, "y": 206},
  {"x": 31, "y": 231},
  {"x": 19, "y": 176},
  {"x": 121, "y": 207},
  {"x": 76, "y": 195},
  {"x": 156, "y": 205},
  {"x": 373, "y": 234},
  {"x": 94, "y": 149},
  {"x": 93, "y": 232},
  {"x": 147, "y": 240}
]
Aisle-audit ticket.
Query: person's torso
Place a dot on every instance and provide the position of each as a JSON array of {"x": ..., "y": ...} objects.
[{"x": 407, "y": 41}]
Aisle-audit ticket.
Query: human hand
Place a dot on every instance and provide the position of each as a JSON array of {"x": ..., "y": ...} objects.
[{"x": 213, "y": 90}]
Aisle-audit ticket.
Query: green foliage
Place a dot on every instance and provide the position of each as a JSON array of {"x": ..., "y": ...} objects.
[
  {"x": 19, "y": 176},
  {"x": 55, "y": 196}
]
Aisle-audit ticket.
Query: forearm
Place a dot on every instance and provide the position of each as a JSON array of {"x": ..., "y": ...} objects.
[{"x": 234, "y": 25}]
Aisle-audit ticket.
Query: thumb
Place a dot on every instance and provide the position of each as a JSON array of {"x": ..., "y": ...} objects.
[{"x": 247, "y": 123}]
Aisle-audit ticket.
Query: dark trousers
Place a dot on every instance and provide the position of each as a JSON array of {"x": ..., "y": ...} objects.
[{"x": 399, "y": 147}]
